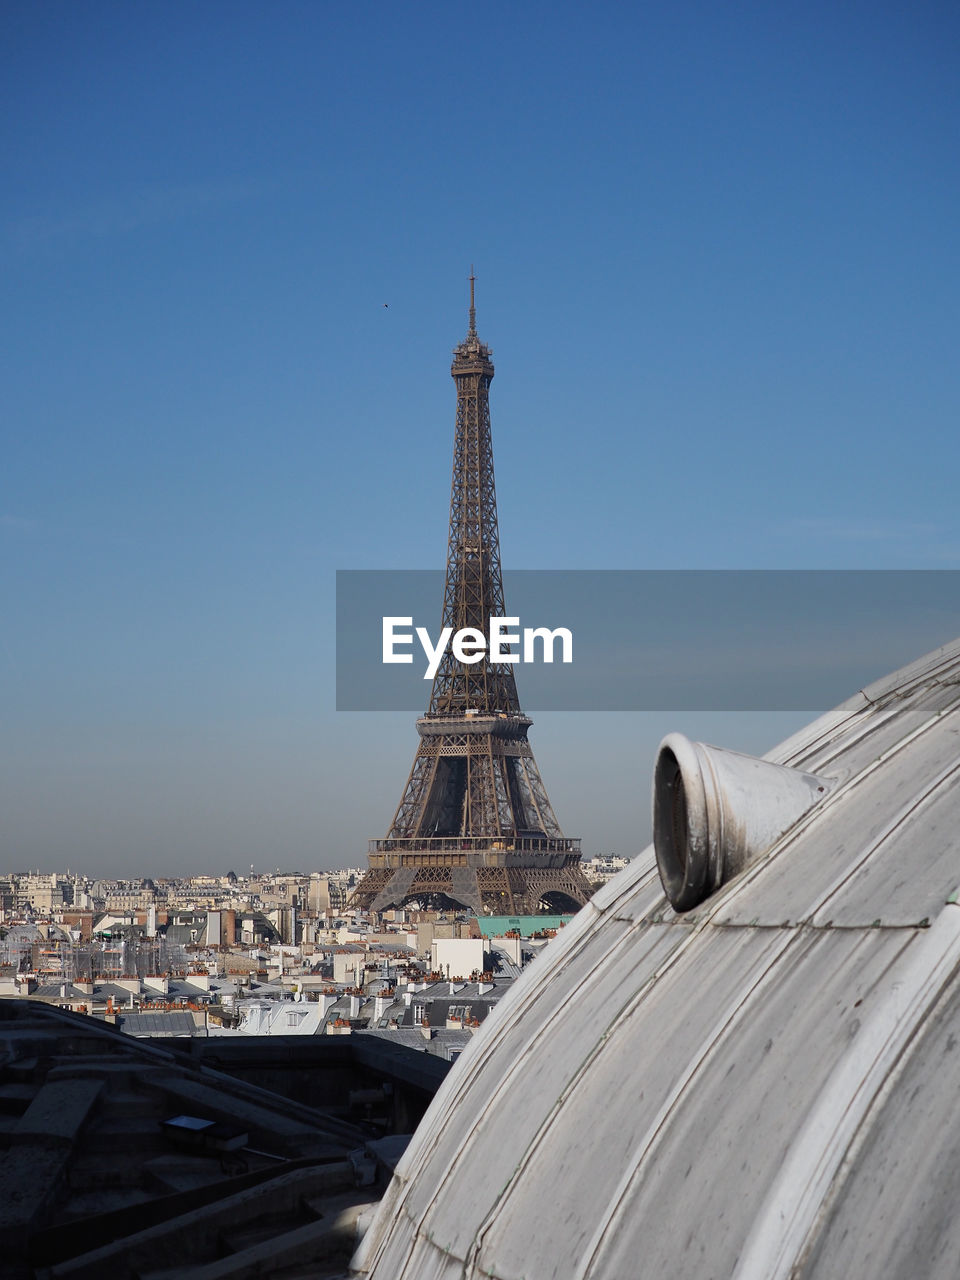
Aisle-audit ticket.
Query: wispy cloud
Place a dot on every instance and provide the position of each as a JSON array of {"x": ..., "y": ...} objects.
[{"x": 125, "y": 212}]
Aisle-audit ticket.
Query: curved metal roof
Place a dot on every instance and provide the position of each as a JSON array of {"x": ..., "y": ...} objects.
[{"x": 765, "y": 1086}]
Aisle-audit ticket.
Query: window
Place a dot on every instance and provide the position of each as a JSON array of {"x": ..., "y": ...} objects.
[{"x": 419, "y": 1012}]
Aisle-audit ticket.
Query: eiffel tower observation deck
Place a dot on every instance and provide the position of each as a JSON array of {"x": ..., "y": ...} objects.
[{"x": 474, "y": 828}]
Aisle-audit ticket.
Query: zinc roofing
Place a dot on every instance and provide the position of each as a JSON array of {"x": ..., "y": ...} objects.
[
  {"x": 763, "y": 1087},
  {"x": 443, "y": 1043},
  {"x": 158, "y": 1025}
]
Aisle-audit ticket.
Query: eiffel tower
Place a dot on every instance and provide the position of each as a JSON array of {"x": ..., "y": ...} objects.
[{"x": 474, "y": 827}]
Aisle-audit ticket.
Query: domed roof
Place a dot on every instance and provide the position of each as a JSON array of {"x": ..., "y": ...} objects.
[{"x": 763, "y": 1086}]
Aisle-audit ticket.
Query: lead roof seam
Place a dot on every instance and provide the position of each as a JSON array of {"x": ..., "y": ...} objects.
[
  {"x": 825, "y": 738},
  {"x": 928, "y": 668},
  {"x": 747, "y": 877},
  {"x": 905, "y": 812},
  {"x": 625, "y": 1011},
  {"x": 845, "y": 789},
  {"x": 619, "y": 1019},
  {"x": 791, "y": 1208},
  {"x": 840, "y": 728},
  {"x": 732, "y": 1014},
  {"x": 871, "y": 723},
  {"x": 828, "y": 803},
  {"x": 619, "y": 1202},
  {"x": 929, "y": 677},
  {"x": 458, "y": 1085},
  {"x": 862, "y": 1129},
  {"x": 506, "y": 1082}
]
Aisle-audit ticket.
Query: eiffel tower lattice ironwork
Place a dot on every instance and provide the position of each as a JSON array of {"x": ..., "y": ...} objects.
[{"x": 474, "y": 827}]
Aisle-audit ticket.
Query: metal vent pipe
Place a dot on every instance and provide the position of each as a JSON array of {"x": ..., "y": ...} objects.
[{"x": 716, "y": 811}]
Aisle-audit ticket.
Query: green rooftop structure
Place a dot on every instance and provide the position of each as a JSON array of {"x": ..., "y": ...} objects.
[{"x": 526, "y": 926}]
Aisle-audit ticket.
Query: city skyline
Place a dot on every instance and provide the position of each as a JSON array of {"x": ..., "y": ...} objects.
[{"x": 716, "y": 263}]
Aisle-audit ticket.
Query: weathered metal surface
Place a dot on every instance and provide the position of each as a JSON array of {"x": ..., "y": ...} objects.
[
  {"x": 896, "y": 770},
  {"x": 893, "y": 1212},
  {"x": 762, "y": 1087}
]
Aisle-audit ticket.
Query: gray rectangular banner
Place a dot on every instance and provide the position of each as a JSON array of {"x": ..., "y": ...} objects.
[{"x": 660, "y": 640}]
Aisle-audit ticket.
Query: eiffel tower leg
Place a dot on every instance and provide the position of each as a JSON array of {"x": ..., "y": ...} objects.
[
  {"x": 497, "y": 891},
  {"x": 369, "y": 888}
]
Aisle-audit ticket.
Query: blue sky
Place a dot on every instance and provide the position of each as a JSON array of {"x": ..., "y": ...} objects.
[{"x": 718, "y": 266}]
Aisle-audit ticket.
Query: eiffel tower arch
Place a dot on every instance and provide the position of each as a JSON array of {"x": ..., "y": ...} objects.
[{"x": 474, "y": 827}]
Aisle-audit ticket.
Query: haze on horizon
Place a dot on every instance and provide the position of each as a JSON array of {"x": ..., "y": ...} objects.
[{"x": 717, "y": 264}]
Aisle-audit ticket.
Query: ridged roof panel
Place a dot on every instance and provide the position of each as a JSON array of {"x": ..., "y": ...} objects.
[{"x": 726, "y": 1092}]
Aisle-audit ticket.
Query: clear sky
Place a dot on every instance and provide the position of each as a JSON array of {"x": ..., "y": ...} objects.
[{"x": 717, "y": 259}]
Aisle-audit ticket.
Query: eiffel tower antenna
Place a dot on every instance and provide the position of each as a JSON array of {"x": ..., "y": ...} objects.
[{"x": 474, "y": 827}]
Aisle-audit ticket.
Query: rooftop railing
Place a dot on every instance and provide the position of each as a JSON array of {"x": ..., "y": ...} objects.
[{"x": 476, "y": 844}]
